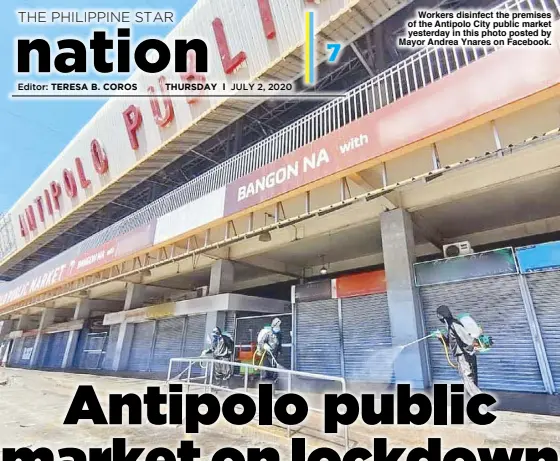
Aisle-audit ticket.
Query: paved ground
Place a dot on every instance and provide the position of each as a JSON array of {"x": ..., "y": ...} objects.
[{"x": 33, "y": 405}]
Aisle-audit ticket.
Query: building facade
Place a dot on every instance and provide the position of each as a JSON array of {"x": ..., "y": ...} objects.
[{"x": 353, "y": 205}]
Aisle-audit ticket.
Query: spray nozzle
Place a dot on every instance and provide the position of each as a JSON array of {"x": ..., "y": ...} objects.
[{"x": 436, "y": 334}]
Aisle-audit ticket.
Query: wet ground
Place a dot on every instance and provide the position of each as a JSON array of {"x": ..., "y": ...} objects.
[{"x": 34, "y": 404}]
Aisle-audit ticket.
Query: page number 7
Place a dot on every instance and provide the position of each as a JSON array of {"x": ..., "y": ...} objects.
[{"x": 334, "y": 49}]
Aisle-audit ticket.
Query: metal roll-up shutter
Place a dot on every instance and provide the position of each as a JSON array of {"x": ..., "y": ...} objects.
[
  {"x": 230, "y": 323},
  {"x": 195, "y": 340},
  {"x": 56, "y": 349},
  {"x": 80, "y": 357},
  {"x": 545, "y": 292},
  {"x": 44, "y": 345},
  {"x": 318, "y": 337},
  {"x": 367, "y": 343},
  {"x": 15, "y": 355},
  {"x": 168, "y": 342},
  {"x": 141, "y": 347},
  {"x": 27, "y": 351},
  {"x": 110, "y": 348},
  {"x": 4, "y": 348},
  {"x": 496, "y": 304}
]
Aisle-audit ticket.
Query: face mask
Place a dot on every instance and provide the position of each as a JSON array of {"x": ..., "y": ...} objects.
[
  {"x": 276, "y": 330},
  {"x": 441, "y": 319}
]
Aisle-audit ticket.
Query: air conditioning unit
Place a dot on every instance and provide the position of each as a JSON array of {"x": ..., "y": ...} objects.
[
  {"x": 201, "y": 292},
  {"x": 457, "y": 249}
]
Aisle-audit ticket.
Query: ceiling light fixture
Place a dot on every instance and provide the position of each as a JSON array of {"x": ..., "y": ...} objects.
[
  {"x": 323, "y": 270},
  {"x": 265, "y": 237}
]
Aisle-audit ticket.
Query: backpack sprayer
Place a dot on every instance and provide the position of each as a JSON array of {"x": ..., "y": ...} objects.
[
  {"x": 480, "y": 342},
  {"x": 262, "y": 353}
]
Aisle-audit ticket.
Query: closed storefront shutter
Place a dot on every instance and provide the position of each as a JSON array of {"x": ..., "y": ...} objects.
[
  {"x": 168, "y": 343},
  {"x": 195, "y": 341},
  {"x": 81, "y": 357},
  {"x": 141, "y": 346},
  {"x": 110, "y": 347},
  {"x": 15, "y": 356},
  {"x": 545, "y": 292},
  {"x": 55, "y": 350},
  {"x": 318, "y": 337},
  {"x": 366, "y": 332},
  {"x": 28, "y": 345},
  {"x": 43, "y": 351},
  {"x": 230, "y": 323},
  {"x": 496, "y": 304},
  {"x": 4, "y": 348}
]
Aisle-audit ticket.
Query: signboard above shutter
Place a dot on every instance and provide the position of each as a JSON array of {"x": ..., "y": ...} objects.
[
  {"x": 475, "y": 266},
  {"x": 539, "y": 258},
  {"x": 313, "y": 291},
  {"x": 160, "y": 311},
  {"x": 366, "y": 283}
]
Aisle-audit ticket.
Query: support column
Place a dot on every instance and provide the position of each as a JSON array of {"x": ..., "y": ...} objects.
[
  {"x": 25, "y": 322},
  {"x": 135, "y": 295},
  {"x": 80, "y": 312},
  {"x": 405, "y": 312},
  {"x": 134, "y": 299},
  {"x": 47, "y": 318},
  {"x": 221, "y": 277}
]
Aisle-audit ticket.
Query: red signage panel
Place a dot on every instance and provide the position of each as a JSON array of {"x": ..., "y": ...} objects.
[
  {"x": 501, "y": 78},
  {"x": 70, "y": 264},
  {"x": 366, "y": 283}
]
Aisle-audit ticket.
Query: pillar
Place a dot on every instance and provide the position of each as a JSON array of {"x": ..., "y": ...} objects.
[
  {"x": 134, "y": 298},
  {"x": 221, "y": 277},
  {"x": 135, "y": 295},
  {"x": 25, "y": 322},
  {"x": 411, "y": 365},
  {"x": 81, "y": 311},
  {"x": 47, "y": 318}
]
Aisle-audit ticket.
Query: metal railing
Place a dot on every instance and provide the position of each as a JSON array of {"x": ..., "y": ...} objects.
[
  {"x": 413, "y": 73},
  {"x": 207, "y": 364},
  {"x": 7, "y": 236}
]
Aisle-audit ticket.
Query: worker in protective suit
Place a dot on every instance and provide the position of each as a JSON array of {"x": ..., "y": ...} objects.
[
  {"x": 269, "y": 347},
  {"x": 461, "y": 346},
  {"x": 221, "y": 348}
]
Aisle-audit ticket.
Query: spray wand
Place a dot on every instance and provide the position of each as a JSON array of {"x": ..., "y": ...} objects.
[
  {"x": 436, "y": 334},
  {"x": 418, "y": 340}
]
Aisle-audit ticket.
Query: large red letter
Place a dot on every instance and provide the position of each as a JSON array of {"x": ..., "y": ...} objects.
[
  {"x": 48, "y": 202},
  {"x": 161, "y": 120},
  {"x": 22, "y": 226},
  {"x": 84, "y": 182},
  {"x": 192, "y": 75},
  {"x": 70, "y": 183},
  {"x": 229, "y": 63},
  {"x": 30, "y": 215},
  {"x": 100, "y": 160},
  {"x": 55, "y": 192},
  {"x": 266, "y": 18},
  {"x": 39, "y": 203},
  {"x": 132, "y": 120}
]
